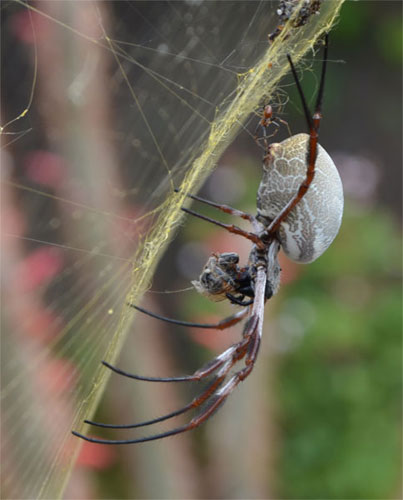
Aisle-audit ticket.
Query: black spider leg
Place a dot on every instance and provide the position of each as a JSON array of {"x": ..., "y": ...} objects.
[
  {"x": 314, "y": 121},
  {"x": 247, "y": 346},
  {"x": 313, "y": 128},
  {"x": 193, "y": 404},
  {"x": 208, "y": 369},
  {"x": 199, "y": 374},
  {"x": 221, "y": 325},
  {"x": 224, "y": 208},
  {"x": 239, "y": 302}
]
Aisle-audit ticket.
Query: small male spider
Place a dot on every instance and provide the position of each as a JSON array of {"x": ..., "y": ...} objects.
[
  {"x": 267, "y": 119},
  {"x": 299, "y": 208}
]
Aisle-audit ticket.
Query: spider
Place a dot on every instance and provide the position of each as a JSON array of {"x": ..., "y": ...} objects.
[
  {"x": 303, "y": 223},
  {"x": 267, "y": 119}
]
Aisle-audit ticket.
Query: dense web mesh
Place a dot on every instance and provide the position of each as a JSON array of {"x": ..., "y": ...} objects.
[{"x": 107, "y": 106}]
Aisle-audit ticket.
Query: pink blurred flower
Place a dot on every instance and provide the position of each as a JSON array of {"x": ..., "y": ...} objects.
[
  {"x": 28, "y": 26},
  {"x": 45, "y": 168},
  {"x": 58, "y": 376},
  {"x": 38, "y": 268},
  {"x": 96, "y": 456},
  {"x": 43, "y": 325}
]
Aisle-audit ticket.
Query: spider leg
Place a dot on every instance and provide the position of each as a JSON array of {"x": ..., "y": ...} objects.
[
  {"x": 221, "y": 325},
  {"x": 228, "y": 358},
  {"x": 229, "y": 227},
  {"x": 214, "y": 395},
  {"x": 215, "y": 401},
  {"x": 197, "y": 401},
  {"x": 313, "y": 126},
  {"x": 178, "y": 430},
  {"x": 264, "y": 135},
  {"x": 222, "y": 393},
  {"x": 258, "y": 139},
  {"x": 251, "y": 342},
  {"x": 286, "y": 124},
  {"x": 263, "y": 139},
  {"x": 252, "y": 337},
  {"x": 207, "y": 369},
  {"x": 237, "y": 301},
  {"x": 224, "y": 208}
]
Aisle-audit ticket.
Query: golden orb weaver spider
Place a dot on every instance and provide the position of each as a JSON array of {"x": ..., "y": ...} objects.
[{"x": 295, "y": 212}]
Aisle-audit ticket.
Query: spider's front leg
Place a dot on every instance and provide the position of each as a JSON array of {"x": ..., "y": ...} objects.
[
  {"x": 214, "y": 395},
  {"x": 220, "y": 325},
  {"x": 209, "y": 399}
]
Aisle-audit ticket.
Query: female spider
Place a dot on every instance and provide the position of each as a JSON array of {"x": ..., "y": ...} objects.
[{"x": 299, "y": 208}]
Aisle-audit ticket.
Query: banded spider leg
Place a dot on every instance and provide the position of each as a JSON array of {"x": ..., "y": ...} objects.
[{"x": 214, "y": 395}]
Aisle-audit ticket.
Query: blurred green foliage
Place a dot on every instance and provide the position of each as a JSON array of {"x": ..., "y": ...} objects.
[
  {"x": 380, "y": 28},
  {"x": 339, "y": 384}
]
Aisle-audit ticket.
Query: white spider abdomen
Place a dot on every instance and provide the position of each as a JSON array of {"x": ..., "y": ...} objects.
[{"x": 314, "y": 222}]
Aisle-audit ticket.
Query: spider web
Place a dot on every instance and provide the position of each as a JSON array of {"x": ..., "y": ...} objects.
[{"x": 121, "y": 102}]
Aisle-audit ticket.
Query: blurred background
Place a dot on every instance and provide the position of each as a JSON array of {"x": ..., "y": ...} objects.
[{"x": 104, "y": 107}]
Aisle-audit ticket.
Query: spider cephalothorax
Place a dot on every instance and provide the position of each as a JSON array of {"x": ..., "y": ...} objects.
[{"x": 299, "y": 208}]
